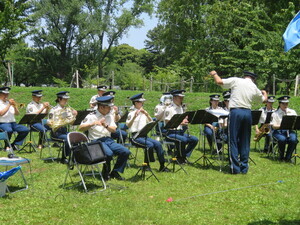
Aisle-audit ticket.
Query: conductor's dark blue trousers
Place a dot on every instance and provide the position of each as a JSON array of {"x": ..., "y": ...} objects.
[{"x": 240, "y": 121}]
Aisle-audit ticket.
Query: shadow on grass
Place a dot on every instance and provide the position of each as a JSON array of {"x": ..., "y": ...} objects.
[{"x": 281, "y": 222}]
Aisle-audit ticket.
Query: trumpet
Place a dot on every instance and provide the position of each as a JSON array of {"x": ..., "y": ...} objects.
[
  {"x": 264, "y": 129},
  {"x": 14, "y": 103}
]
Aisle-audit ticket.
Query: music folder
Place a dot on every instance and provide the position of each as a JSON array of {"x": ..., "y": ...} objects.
[
  {"x": 145, "y": 130},
  {"x": 80, "y": 116},
  {"x": 176, "y": 120},
  {"x": 268, "y": 118},
  {"x": 255, "y": 116},
  {"x": 202, "y": 116},
  {"x": 123, "y": 117},
  {"x": 287, "y": 122},
  {"x": 32, "y": 118}
]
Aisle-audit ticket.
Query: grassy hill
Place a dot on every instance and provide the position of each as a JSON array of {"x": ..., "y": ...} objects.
[{"x": 268, "y": 194}]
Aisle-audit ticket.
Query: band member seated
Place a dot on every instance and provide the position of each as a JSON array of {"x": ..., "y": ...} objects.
[
  {"x": 284, "y": 137},
  {"x": 60, "y": 116},
  {"x": 262, "y": 119},
  {"x": 188, "y": 142},
  {"x": 159, "y": 111},
  {"x": 226, "y": 98},
  {"x": 36, "y": 107},
  {"x": 100, "y": 125},
  {"x": 136, "y": 120},
  {"x": 223, "y": 131},
  {"x": 8, "y": 110},
  {"x": 115, "y": 112},
  {"x": 211, "y": 129},
  {"x": 101, "y": 89}
]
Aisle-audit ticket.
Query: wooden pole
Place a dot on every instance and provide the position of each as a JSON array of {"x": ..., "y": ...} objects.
[
  {"x": 296, "y": 85},
  {"x": 274, "y": 92},
  {"x": 191, "y": 84}
]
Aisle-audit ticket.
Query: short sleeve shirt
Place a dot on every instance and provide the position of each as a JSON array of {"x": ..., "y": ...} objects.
[
  {"x": 98, "y": 131},
  {"x": 9, "y": 116},
  {"x": 243, "y": 92}
]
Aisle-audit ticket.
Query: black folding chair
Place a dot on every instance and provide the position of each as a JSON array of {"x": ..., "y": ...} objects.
[{"x": 75, "y": 138}]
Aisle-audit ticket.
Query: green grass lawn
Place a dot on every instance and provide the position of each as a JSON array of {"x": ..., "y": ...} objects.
[{"x": 268, "y": 194}]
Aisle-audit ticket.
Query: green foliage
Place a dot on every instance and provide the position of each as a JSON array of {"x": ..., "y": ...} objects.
[
  {"x": 14, "y": 20},
  {"x": 130, "y": 76},
  {"x": 60, "y": 83},
  {"x": 230, "y": 36}
]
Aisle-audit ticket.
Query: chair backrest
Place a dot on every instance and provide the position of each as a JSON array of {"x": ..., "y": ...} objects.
[{"x": 76, "y": 137}]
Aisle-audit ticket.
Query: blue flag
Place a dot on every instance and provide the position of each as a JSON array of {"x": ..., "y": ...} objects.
[{"x": 291, "y": 35}]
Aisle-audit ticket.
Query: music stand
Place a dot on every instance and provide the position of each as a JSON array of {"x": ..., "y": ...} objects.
[
  {"x": 146, "y": 165},
  {"x": 123, "y": 117},
  {"x": 80, "y": 116},
  {"x": 255, "y": 116},
  {"x": 287, "y": 122},
  {"x": 202, "y": 117},
  {"x": 291, "y": 123},
  {"x": 268, "y": 117},
  {"x": 223, "y": 142},
  {"x": 30, "y": 119},
  {"x": 174, "y": 122}
]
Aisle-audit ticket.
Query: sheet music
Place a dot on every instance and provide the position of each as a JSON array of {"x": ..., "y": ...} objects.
[{"x": 218, "y": 112}]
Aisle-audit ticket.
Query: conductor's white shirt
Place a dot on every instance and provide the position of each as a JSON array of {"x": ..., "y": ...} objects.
[{"x": 243, "y": 92}]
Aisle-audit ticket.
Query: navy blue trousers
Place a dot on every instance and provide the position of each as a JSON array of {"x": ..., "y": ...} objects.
[
  {"x": 14, "y": 127},
  {"x": 41, "y": 129},
  {"x": 118, "y": 134},
  {"x": 152, "y": 144},
  {"x": 285, "y": 137},
  {"x": 240, "y": 121},
  {"x": 188, "y": 142},
  {"x": 61, "y": 135},
  {"x": 112, "y": 148}
]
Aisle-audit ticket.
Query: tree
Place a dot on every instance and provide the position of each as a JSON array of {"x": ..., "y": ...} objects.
[
  {"x": 14, "y": 22},
  {"x": 77, "y": 28},
  {"x": 228, "y": 35}
]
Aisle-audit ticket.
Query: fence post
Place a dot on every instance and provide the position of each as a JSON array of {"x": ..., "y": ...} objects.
[
  {"x": 151, "y": 80},
  {"x": 191, "y": 84},
  {"x": 296, "y": 85},
  {"x": 181, "y": 83},
  {"x": 274, "y": 92}
]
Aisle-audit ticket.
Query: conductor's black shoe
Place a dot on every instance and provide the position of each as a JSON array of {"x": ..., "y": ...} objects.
[
  {"x": 163, "y": 169},
  {"x": 116, "y": 175}
]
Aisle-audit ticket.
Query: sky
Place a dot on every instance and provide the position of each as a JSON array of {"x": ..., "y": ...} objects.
[{"x": 137, "y": 36}]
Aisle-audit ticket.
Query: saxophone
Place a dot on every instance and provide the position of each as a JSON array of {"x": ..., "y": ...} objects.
[
  {"x": 62, "y": 118},
  {"x": 264, "y": 129}
]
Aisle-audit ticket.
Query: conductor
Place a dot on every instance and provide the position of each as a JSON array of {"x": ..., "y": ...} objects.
[{"x": 243, "y": 92}]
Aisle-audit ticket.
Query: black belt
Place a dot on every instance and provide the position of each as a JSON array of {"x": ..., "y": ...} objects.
[{"x": 239, "y": 108}]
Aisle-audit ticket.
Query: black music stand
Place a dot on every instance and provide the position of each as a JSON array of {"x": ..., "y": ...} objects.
[
  {"x": 255, "y": 120},
  {"x": 174, "y": 122},
  {"x": 224, "y": 117},
  {"x": 123, "y": 117},
  {"x": 30, "y": 119},
  {"x": 122, "y": 120},
  {"x": 80, "y": 116},
  {"x": 146, "y": 165},
  {"x": 202, "y": 117},
  {"x": 291, "y": 123},
  {"x": 255, "y": 116}
]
